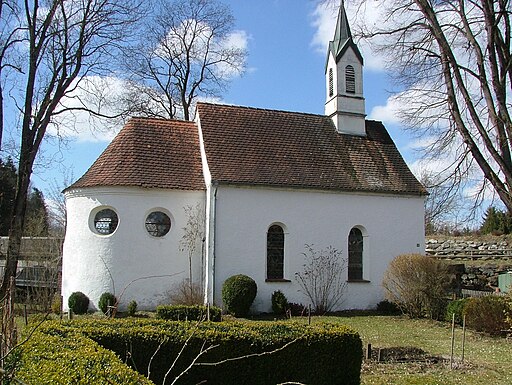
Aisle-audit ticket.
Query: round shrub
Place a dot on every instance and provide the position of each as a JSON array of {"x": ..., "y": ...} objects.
[
  {"x": 487, "y": 314},
  {"x": 78, "y": 302},
  {"x": 456, "y": 307},
  {"x": 279, "y": 302},
  {"x": 238, "y": 293},
  {"x": 106, "y": 300},
  {"x": 132, "y": 308},
  {"x": 388, "y": 307}
]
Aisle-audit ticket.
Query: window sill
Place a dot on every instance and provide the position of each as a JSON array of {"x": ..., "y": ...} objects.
[
  {"x": 358, "y": 281},
  {"x": 277, "y": 280}
]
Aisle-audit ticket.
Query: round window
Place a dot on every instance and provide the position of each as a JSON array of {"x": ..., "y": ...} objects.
[
  {"x": 105, "y": 221},
  {"x": 158, "y": 224}
]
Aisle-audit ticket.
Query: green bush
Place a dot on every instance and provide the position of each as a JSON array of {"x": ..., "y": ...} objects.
[
  {"x": 456, "y": 307},
  {"x": 388, "y": 307},
  {"x": 238, "y": 293},
  {"x": 132, "y": 308},
  {"x": 279, "y": 302},
  {"x": 487, "y": 314},
  {"x": 188, "y": 313},
  {"x": 321, "y": 354},
  {"x": 106, "y": 300},
  {"x": 58, "y": 357},
  {"x": 57, "y": 304},
  {"x": 78, "y": 302}
]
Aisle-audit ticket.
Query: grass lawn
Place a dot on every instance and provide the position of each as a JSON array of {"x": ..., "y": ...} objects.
[{"x": 487, "y": 360}]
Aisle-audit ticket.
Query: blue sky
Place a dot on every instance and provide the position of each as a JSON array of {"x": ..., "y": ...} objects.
[{"x": 286, "y": 42}]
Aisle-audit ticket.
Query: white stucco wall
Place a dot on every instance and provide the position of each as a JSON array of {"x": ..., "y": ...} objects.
[
  {"x": 95, "y": 264},
  {"x": 346, "y": 109},
  {"x": 394, "y": 225}
]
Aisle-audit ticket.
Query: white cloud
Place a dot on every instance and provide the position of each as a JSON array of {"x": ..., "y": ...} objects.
[
  {"x": 236, "y": 40},
  {"x": 389, "y": 113},
  {"x": 95, "y": 93}
]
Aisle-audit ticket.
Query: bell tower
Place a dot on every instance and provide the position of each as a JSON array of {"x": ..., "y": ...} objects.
[{"x": 344, "y": 80}]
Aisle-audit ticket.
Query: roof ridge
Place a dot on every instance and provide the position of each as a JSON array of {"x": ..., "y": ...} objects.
[
  {"x": 264, "y": 109},
  {"x": 166, "y": 120}
]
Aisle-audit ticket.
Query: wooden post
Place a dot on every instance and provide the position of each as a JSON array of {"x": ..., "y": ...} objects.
[
  {"x": 463, "y": 336},
  {"x": 70, "y": 314},
  {"x": 25, "y": 314},
  {"x": 379, "y": 355},
  {"x": 453, "y": 340},
  {"x": 309, "y": 314},
  {"x": 369, "y": 351}
]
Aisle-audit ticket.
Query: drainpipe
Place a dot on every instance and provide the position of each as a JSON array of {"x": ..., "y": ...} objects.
[{"x": 214, "y": 226}]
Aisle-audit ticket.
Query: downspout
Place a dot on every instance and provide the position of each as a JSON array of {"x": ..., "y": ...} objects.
[{"x": 214, "y": 243}]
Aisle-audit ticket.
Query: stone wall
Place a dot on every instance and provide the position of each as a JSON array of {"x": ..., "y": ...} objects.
[{"x": 480, "y": 260}]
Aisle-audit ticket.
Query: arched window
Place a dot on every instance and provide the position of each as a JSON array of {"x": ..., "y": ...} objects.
[
  {"x": 355, "y": 254},
  {"x": 350, "y": 80},
  {"x": 331, "y": 82},
  {"x": 275, "y": 252}
]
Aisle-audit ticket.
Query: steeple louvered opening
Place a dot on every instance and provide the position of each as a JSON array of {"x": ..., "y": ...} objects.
[
  {"x": 350, "y": 80},
  {"x": 331, "y": 82}
]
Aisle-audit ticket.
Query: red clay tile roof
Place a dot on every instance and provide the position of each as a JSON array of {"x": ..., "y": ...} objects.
[
  {"x": 276, "y": 148},
  {"x": 149, "y": 153}
]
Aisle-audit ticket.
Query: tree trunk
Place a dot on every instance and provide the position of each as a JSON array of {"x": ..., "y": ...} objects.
[{"x": 17, "y": 222}]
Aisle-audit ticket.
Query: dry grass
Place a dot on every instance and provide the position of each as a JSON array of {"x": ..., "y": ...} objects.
[{"x": 487, "y": 360}]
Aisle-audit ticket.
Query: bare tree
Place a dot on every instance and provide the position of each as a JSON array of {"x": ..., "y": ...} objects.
[
  {"x": 188, "y": 50},
  {"x": 57, "y": 45},
  {"x": 192, "y": 239},
  {"x": 443, "y": 203},
  {"x": 323, "y": 278},
  {"x": 454, "y": 59}
]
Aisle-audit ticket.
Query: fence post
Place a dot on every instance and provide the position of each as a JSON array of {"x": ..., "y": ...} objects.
[
  {"x": 463, "y": 336},
  {"x": 453, "y": 340}
]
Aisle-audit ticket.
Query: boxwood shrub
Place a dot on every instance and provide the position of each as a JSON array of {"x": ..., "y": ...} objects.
[
  {"x": 55, "y": 356},
  {"x": 188, "y": 312},
  {"x": 319, "y": 354},
  {"x": 238, "y": 293},
  {"x": 78, "y": 302}
]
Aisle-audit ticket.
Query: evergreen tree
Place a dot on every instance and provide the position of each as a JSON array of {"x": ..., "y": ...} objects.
[
  {"x": 37, "y": 218},
  {"x": 496, "y": 222},
  {"x": 36, "y": 222},
  {"x": 8, "y": 177}
]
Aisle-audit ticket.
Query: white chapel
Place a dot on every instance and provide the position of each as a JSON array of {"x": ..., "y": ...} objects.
[{"x": 257, "y": 185}]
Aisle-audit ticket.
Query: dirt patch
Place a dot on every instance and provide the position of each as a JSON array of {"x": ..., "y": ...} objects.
[{"x": 403, "y": 354}]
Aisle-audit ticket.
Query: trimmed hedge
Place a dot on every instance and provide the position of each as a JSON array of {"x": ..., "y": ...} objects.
[
  {"x": 52, "y": 356},
  {"x": 319, "y": 354},
  {"x": 187, "y": 313}
]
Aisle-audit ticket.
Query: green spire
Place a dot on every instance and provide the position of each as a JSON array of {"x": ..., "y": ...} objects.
[
  {"x": 342, "y": 37},
  {"x": 342, "y": 33}
]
